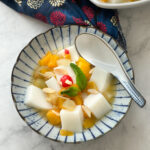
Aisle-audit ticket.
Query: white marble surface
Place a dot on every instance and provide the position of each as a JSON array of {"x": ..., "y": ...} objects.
[{"x": 133, "y": 133}]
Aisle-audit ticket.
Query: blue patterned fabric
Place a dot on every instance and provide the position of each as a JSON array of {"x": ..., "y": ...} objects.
[{"x": 62, "y": 12}]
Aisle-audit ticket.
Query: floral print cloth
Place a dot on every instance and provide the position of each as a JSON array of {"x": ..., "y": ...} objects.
[{"x": 62, "y": 12}]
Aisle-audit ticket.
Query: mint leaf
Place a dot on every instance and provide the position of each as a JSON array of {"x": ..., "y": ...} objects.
[
  {"x": 80, "y": 76},
  {"x": 72, "y": 91}
]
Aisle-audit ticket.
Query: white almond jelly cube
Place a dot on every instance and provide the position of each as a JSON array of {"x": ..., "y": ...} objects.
[
  {"x": 102, "y": 78},
  {"x": 36, "y": 98},
  {"x": 98, "y": 105},
  {"x": 72, "y": 120}
]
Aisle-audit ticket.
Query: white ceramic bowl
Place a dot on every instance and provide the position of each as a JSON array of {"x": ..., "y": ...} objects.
[
  {"x": 119, "y": 5},
  {"x": 59, "y": 38}
]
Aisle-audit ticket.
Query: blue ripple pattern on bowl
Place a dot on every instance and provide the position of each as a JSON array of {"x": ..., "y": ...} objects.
[{"x": 59, "y": 38}]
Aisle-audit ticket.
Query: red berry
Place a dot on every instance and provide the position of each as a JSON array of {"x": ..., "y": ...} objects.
[
  {"x": 67, "y": 51},
  {"x": 64, "y": 79}
]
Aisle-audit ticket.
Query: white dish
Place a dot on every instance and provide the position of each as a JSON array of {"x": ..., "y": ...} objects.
[
  {"x": 60, "y": 38},
  {"x": 119, "y": 5}
]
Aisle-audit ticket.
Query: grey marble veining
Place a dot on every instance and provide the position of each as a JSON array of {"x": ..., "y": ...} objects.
[{"x": 132, "y": 133}]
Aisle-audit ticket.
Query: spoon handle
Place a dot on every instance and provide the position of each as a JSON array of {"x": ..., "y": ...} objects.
[{"x": 134, "y": 93}]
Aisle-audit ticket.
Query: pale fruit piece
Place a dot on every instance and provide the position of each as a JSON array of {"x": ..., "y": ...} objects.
[
  {"x": 61, "y": 53},
  {"x": 63, "y": 62},
  {"x": 72, "y": 120},
  {"x": 68, "y": 71},
  {"x": 69, "y": 105},
  {"x": 39, "y": 83},
  {"x": 36, "y": 98},
  {"x": 52, "y": 83},
  {"x": 97, "y": 104},
  {"x": 73, "y": 53},
  {"x": 47, "y": 75},
  {"x": 51, "y": 95},
  {"x": 101, "y": 78},
  {"x": 63, "y": 97},
  {"x": 60, "y": 71},
  {"x": 52, "y": 98}
]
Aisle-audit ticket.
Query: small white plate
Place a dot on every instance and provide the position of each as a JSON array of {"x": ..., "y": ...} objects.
[{"x": 119, "y": 5}]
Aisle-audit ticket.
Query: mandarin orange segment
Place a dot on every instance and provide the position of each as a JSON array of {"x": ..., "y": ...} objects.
[
  {"x": 84, "y": 66},
  {"x": 65, "y": 132},
  {"x": 53, "y": 61},
  {"x": 53, "y": 117},
  {"x": 83, "y": 60},
  {"x": 44, "y": 61}
]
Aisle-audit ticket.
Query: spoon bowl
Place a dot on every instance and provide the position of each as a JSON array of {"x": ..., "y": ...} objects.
[{"x": 103, "y": 56}]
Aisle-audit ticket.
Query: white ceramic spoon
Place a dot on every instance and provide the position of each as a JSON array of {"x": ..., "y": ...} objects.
[{"x": 96, "y": 51}]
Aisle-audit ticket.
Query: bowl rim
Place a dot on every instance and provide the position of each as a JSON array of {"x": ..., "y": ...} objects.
[
  {"x": 119, "y": 5},
  {"x": 14, "y": 101}
]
